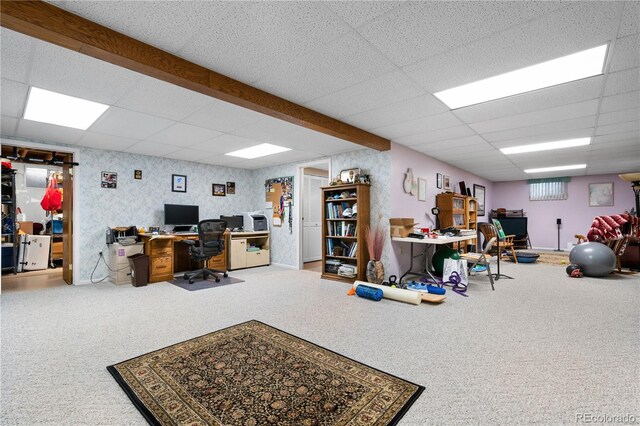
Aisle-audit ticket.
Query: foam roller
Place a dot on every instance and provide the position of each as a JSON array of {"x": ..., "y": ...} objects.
[
  {"x": 406, "y": 296},
  {"x": 369, "y": 292}
]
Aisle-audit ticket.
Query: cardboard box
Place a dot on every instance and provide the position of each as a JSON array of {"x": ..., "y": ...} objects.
[
  {"x": 401, "y": 226},
  {"x": 26, "y": 227},
  {"x": 56, "y": 249}
]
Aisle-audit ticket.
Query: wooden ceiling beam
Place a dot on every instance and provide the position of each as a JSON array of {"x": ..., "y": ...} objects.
[{"x": 49, "y": 23}]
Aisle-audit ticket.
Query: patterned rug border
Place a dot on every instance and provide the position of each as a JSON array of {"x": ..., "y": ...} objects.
[{"x": 149, "y": 417}]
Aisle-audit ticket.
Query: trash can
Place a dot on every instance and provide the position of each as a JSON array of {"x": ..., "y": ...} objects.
[{"x": 139, "y": 264}]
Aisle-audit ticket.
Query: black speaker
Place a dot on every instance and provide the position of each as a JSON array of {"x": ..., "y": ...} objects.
[{"x": 558, "y": 221}]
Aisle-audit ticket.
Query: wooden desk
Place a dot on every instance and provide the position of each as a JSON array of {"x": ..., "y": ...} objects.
[
  {"x": 167, "y": 255},
  {"x": 427, "y": 241}
]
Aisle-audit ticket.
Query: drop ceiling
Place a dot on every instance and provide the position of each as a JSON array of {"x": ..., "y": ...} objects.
[{"x": 374, "y": 65}]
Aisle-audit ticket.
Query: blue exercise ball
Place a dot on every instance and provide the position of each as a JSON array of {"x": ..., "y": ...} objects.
[{"x": 594, "y": 259}]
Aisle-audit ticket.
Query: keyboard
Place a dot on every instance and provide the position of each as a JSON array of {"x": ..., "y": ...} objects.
[{"x": 185, "y": 233}]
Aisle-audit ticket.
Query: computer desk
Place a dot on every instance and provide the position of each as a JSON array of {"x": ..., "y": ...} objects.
[
  {"x": 167, "y": 255},
  {"x": 427, "y": 242}
]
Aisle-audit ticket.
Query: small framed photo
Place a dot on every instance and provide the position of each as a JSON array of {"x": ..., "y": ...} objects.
[
  {"x": 231, "y": 187},
  {"x": 446, "y": 183},
  {"x": 109, "y": 180},
  {"x": 349, "y": 175},
  {"x": 438, "y": 180},
  {"x": 137, "y": 174},
  {"x": 218, "y": 189},
  {"x": 178, "y": 183},
  {"x": 422, "y": 189},
  {"x": 601, "y": 194},
  {"x": 479, "y": 194}
]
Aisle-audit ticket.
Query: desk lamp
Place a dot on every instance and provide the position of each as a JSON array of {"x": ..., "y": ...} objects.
[{"x": 634, "y": 178}]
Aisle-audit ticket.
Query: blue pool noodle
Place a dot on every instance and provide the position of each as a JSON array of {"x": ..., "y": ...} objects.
[{"x": 369, "y": 292}]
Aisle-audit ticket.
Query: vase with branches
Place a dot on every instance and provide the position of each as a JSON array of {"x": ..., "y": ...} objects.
[{"x": 375, "y": 242}]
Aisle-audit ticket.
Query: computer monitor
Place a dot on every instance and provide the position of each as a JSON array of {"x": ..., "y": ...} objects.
[
  {"x": 181, "y": 215},
  {"x": 233, "y": 222}
]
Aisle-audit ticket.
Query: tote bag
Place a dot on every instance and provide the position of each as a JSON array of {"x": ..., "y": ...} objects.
[{"x": 52, "y": 199}]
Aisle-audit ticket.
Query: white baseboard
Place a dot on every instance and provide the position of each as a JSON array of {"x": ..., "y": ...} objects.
[{"x": 282, "y": 265}]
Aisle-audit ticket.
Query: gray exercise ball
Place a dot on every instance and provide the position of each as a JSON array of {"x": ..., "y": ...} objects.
[{"x": 594, "y": 259}]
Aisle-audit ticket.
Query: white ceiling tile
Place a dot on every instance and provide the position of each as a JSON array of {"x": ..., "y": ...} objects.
[
  {"x": 620, "y": 145},
  {"x": 151, "y": 148},
  {"x": 168, "y": 25},
  {"x": 291, "y": 156},
  {"x": 613, "y": 138},
  {"x": 563, "y": 94},
  {"x": 618, "y": 116},
  {"x": 628, "y": 126},
  {"x": 542, "y": 131},
  {"x": 549, "y": 115},
  {"x": 421, "y": 125},
  {"x": 14, "y": 97},
  {"x": 438, "y": 135},
  {"x": 387, "y": 89},
  {"x": 268, "y": 129},
  {"x": 8, "y": 126},
  {"x": 630, "y": 18},
  {"x": 223, "y": 160},
  {"x": 545, "y": 159},
  {"x": 108, "y": 142},
  {"x": 622, "y": 82},
  {"x": 626, "y": 53},
  {"x": 225, "y": 143},
  {"x": 247, "y": 40},
  {"x": 187, "y": 154},
  {"x": 356, "y": 13},
  {"x": 620, "y": 102},
  {"x": 128, "y": 124},
  {"x": 420, "y": 29},
  {"x": 452, "y": 143},
  {"x": 184, "y": 135},
  {"x": 71, "y": 73},
  {"x": 16, "y": 55},
  {"x": 47, "y": 133},
  {"x": 304, "y": 139},
  {"x": 405, "y": 110},
  {"x": 223, "y": 117},
  {"x": 577, "y": 26},
  {"x": 162, "y": 99},
  {"x": 342, "y": 63}
]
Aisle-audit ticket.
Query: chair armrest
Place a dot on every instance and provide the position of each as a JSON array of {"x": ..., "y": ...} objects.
[{"x": 190, "y": 242}]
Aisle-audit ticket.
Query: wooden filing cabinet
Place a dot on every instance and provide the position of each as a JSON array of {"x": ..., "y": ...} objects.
[{"x": 240, "y": 242}]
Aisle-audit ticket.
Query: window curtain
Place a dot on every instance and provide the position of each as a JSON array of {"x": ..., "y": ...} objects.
[{"x": 550, "y": 189}]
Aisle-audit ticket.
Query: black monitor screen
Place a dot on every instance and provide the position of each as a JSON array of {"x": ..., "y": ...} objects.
[
  {"x": 514, "y": 226},
  {"x": 176, "y": 214},
  {"x": 233, "y": 222}
]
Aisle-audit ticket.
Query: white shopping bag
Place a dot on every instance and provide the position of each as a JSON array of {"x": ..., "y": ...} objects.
[{"x": 458, "y": 266}]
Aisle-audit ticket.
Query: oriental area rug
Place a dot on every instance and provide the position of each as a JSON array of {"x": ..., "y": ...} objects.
[{"x": 254, "y": 374}]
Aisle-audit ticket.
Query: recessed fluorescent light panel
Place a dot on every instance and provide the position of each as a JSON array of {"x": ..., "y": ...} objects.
[
  {"x": 556, "y": 168},
  {"x": 546, "y": 146},
  {"x": 572, "y": 67},
  {"x": 62, "y": 110},
  {"x": 258, "y": 151}
]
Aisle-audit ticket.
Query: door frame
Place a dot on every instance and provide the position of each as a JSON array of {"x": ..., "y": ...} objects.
[
  {"x": 75, "y": 235},
  {"x": 298, "y": 193}
]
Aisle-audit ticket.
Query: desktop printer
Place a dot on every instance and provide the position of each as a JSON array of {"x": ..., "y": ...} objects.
[{"x": 255, "y": 221}]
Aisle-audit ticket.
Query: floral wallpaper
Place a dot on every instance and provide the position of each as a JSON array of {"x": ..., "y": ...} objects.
[{"x": 141, "y": 202}]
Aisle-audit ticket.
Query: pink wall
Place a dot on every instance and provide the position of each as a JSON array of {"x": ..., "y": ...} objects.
[
  {"x": 406, "y": 205},
  {"x": 575, "y": 212}
]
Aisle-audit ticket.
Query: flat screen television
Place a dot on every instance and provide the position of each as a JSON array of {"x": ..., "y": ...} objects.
[
  {"x": 233, "y": 222},
  {"x": 177, "y": 214},
  {"x": 514, "y": 226}
]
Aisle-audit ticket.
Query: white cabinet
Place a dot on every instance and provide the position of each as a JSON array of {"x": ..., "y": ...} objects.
[
  {"x": 119, "y": 270},
  {"x": 238, "y": 256}
]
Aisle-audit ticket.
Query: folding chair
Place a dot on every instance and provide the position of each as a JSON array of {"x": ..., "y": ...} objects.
[{"x": 480, "y": 259}]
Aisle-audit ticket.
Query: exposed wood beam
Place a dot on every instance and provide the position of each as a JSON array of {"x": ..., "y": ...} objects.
[{"x": 54, "y": 25}]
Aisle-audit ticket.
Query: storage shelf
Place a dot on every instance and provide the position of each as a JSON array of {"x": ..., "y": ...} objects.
[
  {"x": 346, "y": 218},
  {"x": 350, "y": 237},
  {"x": 342, "y": 257},
  {"x": 336, "y": 200}
]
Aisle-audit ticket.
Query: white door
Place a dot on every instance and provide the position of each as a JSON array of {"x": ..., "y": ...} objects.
[{"x": 312, "y": 217}]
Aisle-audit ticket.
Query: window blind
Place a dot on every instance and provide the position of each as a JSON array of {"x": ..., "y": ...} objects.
[{"x": 549, "y": 189}]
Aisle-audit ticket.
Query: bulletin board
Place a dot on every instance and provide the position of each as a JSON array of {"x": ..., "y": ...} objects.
[{"x": 279, "y": 195}]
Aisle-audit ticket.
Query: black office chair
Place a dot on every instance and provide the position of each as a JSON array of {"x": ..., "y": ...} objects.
[{"x": 210, "y": 243}]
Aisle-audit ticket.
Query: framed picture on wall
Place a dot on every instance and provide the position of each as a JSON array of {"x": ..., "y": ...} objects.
[
  {"x": 109, "y": 180},
  {"x": 479, "y": 194},
  {"x": 218, "y": 189},
  {"x": 438, "y": 180},
  {"x": 231, "y": 187},
  {"x": 600, "y": 194},
  {"x": 446, "y": 183},
  {"x": 178, "y": 183},
  {"x": 422, "y": 189}
]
